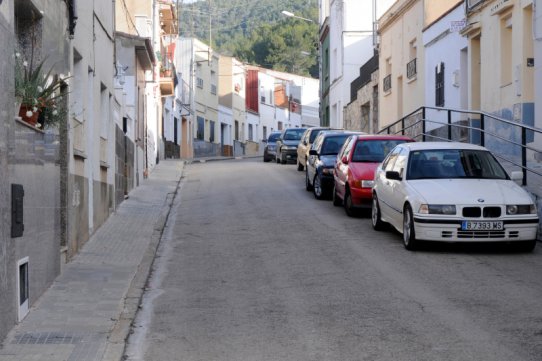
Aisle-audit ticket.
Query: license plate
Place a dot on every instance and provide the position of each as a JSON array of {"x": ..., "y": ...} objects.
[{"x": 481, "y": 226}]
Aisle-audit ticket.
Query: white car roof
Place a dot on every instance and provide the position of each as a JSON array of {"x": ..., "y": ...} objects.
[{"x": 441, "y": 145}]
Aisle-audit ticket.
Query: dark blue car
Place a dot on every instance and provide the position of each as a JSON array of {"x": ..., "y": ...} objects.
[{"x": 322, "y": 158}]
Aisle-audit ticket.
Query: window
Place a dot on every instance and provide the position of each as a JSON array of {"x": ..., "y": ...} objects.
[
  {"x": 201, "y": 128},
  {"x": 236, "y": 130},
  {"x": 250, "y": 132},
  {"x": 199, "y": 82},
  {"x": 213, "y": 89},
  {"x": 439, "y": 85},
  {"x": 411, "y": 65},
  {"x": 212, "y": 131},
  {"x": 104, "y": 111},
  {"x": 23, "y": 285},
  {"x": 506, "y": 50},
  {"x": 386, "y": 85},
  {"x": 264, "y": 132}
]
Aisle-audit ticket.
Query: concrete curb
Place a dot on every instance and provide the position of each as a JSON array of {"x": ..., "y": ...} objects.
[{"x": 118, "y": 335}]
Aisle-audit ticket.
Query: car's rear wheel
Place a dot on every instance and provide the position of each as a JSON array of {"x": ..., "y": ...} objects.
[
  {"x": 308, "y": 185},
  {"x": 282, "y": 160},
  {"x": 336, "y": 200},
  {"x": 349, "y": 204},
  {"x": 317, "y": 187},
  {"x": 300, "y": 166},
  {"x": 376, "y": 218},
  {"x": 409, "y": 234}
]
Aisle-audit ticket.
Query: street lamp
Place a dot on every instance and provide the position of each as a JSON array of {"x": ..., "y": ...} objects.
[{"x": 292, "y": 15}]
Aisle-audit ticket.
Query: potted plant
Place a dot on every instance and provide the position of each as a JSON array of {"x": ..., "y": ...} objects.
[{"x": 39, "y": 93}]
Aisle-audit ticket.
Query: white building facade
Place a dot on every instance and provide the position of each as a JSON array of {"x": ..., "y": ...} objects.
[{"x": 349, "y": 44}]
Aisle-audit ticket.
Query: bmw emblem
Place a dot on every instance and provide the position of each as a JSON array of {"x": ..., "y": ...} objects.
[{"x": 481, "y": 200}]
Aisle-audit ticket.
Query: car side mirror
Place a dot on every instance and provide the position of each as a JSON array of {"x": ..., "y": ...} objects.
[
  {"x": 393, "y": 175},
  {"x": 264, "y": 140},
  {"x": 517, "y": 176},
  {"x": 344, "y": 160},
  {"x": 313, "y": 152}
]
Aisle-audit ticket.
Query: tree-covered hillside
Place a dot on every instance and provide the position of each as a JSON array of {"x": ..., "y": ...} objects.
[{"x": 256, "y": 31}]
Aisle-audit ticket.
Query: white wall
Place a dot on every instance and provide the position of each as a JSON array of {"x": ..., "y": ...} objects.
[
  {"x": 225, "y": 117},
  {"x": 443, "y": 45},
  {"x": 351, "y": 45},
  {"x": 537, "y": 25}
]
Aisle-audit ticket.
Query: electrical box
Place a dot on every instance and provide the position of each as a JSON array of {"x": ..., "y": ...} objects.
[{"x": 17, "y": 219}]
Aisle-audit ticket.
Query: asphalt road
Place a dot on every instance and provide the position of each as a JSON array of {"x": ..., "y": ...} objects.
[{"x": 253, "y": 267}]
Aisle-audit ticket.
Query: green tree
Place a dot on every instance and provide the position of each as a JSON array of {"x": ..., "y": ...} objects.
[{"x": 257, "y": 32}]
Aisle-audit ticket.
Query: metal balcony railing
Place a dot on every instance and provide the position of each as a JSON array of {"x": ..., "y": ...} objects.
[
  {"x": 387, "y": 83},
  {"x": 411, "y": 69}
]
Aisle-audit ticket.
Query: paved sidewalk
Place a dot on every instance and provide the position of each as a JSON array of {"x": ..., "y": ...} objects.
[{"x": 86, "y": 313}]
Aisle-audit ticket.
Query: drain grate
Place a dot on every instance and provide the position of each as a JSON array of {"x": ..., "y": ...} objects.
[{"x": 47, "y": 338}]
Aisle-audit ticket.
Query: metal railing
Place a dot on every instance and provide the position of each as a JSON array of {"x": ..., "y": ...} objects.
[
  {"x": 510, "y": 141},
  {"x": 411, "y": 69},
  {"x": 387, "y": 83}
]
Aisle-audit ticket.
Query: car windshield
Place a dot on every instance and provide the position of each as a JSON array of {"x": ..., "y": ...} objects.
[
  {"x": 454, "y": 163},
  {"x": 273, "y": 137},
  {"x": 332, "y": 144},
  {"x": 374, "y": 151},
  {"x": 294, "y": 134}
]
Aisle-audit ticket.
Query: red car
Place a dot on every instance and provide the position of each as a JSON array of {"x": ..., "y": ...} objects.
[{"x": 355, "y": 168}]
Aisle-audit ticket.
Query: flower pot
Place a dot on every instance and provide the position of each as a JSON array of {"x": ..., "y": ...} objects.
[
  {"x": 23, "y": 109},
  {"x": 166, "y": 73}
]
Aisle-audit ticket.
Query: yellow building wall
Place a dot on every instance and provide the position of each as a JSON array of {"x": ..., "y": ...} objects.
[
  {"x": 503, "y": 33},
  {"x": 433, "y": 10},
  {"x": 400, "y": 42}
]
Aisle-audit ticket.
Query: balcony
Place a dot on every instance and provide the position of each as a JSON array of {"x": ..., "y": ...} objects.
[
  {"x": 387, "y": 83},
  {"x": 167, "y": 84},
  {"x": 411, "y": 69},
  {"x": 168, "y": 18}
]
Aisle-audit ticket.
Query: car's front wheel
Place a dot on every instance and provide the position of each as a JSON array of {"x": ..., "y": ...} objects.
[
  {"x": 308, "y": 185},
  {"x": 336, "y": 200},
  {"x": 376, "y": 218},
  {"x": 349, "y": 204},
  {"x": 526, "y": 246},
  {"x": 409, "y": 233},
  {"x": 317, "y": 187}
]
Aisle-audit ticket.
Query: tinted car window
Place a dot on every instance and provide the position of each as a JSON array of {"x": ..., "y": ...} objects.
[
  {"x": 373, "y": 150},
  {"x": 332, "y": 144},
  {"x": 293, "y": 134},
  {"x": 454, "y": 163},
  {"x": 313, "y": 135},
  {"x": 347, "y": 147},
  {"x": 273, "y": 137},
  {"x": 391, "y": 158}
]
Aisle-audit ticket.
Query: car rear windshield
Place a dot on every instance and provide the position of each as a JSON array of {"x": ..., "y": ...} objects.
[
  {"x": 454, "y": 163},
  {"x": 313, "y": 135},
  {"x": 374, "y": 151},
  {"x": 294, "y": 134},
  {"x": 332, "y": 144},
  {"x": 273, "y": 137}
]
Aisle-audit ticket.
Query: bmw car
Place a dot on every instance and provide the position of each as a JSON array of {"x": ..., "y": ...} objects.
[{"x": 452, "y": 192}]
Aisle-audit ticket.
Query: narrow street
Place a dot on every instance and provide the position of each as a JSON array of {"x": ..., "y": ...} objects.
[{"x": 253, "y": 267}]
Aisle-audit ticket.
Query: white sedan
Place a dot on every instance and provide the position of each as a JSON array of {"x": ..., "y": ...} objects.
[{"x": 451, "y": 192}]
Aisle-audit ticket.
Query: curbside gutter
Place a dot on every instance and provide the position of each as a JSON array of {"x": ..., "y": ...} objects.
[{"x": 118, "y": 335}]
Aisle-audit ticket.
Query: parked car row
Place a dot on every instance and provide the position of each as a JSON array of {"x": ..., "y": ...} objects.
[{"x": 427, "y": 191}]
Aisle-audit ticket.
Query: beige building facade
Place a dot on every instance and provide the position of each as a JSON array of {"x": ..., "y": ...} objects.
[
  {"x": 501, "y": 58},
  {"x": 402, "y": 56}
]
